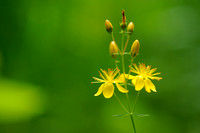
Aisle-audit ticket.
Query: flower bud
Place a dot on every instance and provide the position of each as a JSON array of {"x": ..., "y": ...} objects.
[
  {"x": 109, "y": 26},
  {"x": 113, "y": 49},
  {"x": 130, "y": 28},
  {"x": 135, "y": 48},
  {"x": 123, "y": 24}
]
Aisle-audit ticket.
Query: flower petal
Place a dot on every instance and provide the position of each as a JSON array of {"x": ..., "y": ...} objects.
[
  {"x": 147, "y": 87},
  {"x": 108, "y": 90},
  {"x": 133, "y": 81},
  {"x": 139, "y": 84},
  {"x": 128, "y": 76},
  {"x": 121, "y": 89},
  {"x": 134, "y": 78},
  {"x": 151, "y": 85},
  {"x": 101, "y": 88}
]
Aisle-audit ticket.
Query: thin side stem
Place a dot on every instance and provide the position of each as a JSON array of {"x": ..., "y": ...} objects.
[
  {"x": 120, "y": 103},
  {"x": 116, "y": 65},
  {"x": 116, "y": 44},
  {"x": 113, "y": 36},
  {"x": 135, "y": 101},
  {"x": 128, "y": 37},
  {"x": 132, "y": 59}
]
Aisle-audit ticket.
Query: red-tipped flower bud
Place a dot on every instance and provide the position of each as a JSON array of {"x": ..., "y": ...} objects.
[{"x": 123, "y": 23}]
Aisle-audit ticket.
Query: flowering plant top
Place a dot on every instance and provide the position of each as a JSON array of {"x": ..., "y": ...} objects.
[{"x": 139, "y": 76}]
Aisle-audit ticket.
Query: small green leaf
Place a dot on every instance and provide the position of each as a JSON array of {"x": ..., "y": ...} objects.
[
  {"x": 122, "y": 115},
  {"x": 142, "y": 115}
]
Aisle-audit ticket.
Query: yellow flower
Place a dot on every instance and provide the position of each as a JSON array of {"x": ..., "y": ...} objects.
[
  {"x": 144, "y": 74},
  {"x": 108, "y": 79}
]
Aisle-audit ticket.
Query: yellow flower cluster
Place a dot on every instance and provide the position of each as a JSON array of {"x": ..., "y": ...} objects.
[
  {"x": 140, "y": 75},
  {"x": 141, "y": 80}
]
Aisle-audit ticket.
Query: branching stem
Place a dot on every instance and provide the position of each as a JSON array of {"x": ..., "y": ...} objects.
[{"x": 124, "y": 72}]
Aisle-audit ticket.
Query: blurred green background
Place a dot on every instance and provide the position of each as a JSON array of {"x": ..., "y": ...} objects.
[{"x": 50, "y": 50}]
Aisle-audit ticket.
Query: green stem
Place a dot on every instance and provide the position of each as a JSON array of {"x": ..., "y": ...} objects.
[
  {"x": 131, "y": 115},
  {"x": 128, "y": 37},
  {"x": 116, "y": 65},
  {"x": 114, "y": 41},
  {"x": 120, "y": 103},
  {"x": 130, "y": 67},
  {"x": 112, "y": 36},
  {"x": 135, "y": 101},
  {"x": 123, "y": 67}
]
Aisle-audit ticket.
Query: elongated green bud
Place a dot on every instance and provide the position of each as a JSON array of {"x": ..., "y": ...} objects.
[
  {"x": 113, "y": 49},
  {"x": 109, "y": 26},
  {"x": 135, "y": 48},
  {"x": 130, "y": 28}
]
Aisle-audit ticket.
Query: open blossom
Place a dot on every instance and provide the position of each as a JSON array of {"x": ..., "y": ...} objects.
[
  {"x": 108, "y": 79},
  {"x": 143, "y": 77}
]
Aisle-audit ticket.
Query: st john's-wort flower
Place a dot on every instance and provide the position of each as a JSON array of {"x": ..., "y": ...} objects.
[
  {"x": 143, "y": 77},
  {"x": 109, "y": 78}
]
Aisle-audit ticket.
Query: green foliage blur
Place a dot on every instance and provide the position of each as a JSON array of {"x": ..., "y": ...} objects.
[{"x": 50, "y": 50}]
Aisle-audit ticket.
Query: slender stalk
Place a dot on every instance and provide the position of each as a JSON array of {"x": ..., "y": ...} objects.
[
  {"x": 120, "y": 103},
  {"x": 116, "y": 65},
  {"x": 122, "y": 47},
  {"x": 129, "y": 105},
  {"x": 123, "y": 67},
  {"x": 113, "y": 36},
  {"x": 135, "y": 101},
  {"x": 131, "y": 115},
  {"x": 128, "y": 37},
  {"x": 132, "y": 59},
  {"x": 116, "y": 44}
]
